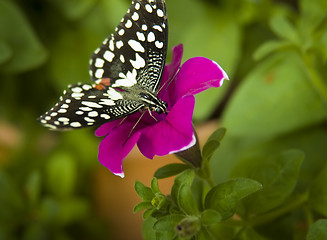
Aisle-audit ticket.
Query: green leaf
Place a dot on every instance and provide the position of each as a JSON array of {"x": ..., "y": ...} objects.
[
  {"x": 33, "y": 187},
  {"x": 213, "y": 143},
  {"x": 278, "y": 175},
  {"x": 147, "y": 213},
  {"x": 11, "y": 202},
  {"x": 148, "y": 232},
  {"x": 170, "y": 170},
  {"x": 251, "y": 111},
  {"x": 23, "y": 46},
  {"x": 144, "y": 192},
  {"x": 168, "y": 223},
  {"x": 225, "y": 197},
  {"x": 238, "y": 149},
  {"x": 73, "y": 210},
  {"x": 210, "y": 216},
  {"x": 203, "y": 234},
  {"x": 74, "y": 9},
  {"x": 186, "y": 177},
  {"x": 186, "y": 200},
  {"x": 5, "y": 52},
  {"x": 271, "y": 47},
  {"x": 284, "y": 29},
  {"x": 250, "y": 234},
  {"x": 218, "y": 22},
  {"x": 318, "y": 193},
  {"x": 155, "y": 186},
  {"x": 142, "y": 206},
  {"x": 318, "y": 230},
  {"x": 313, "y": 11},
  {"x": 61, "y": 174}
]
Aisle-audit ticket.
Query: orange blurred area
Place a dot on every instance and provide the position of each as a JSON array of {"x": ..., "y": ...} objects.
[{"x": 115, "y": 198}]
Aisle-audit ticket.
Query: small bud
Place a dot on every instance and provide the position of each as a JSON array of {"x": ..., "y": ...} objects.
[
  {"x": 188, "y": 227},
  {"x": 159, "y": 201}
]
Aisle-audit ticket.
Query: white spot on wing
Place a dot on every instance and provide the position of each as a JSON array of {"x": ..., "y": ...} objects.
[
  {"x": 159, "y": 44},
  {"x": 128, "y": 24},
  {"x": 93, "y": 114},
  {"x": 140, "y": 36},
  {"x": 144, "y": 27},
  {"x": 91, "y": 104},
  {"x": 113, "y": 94},
  {"x": 160, "y": 13},
  {"x": 121, "y": 32},
  {"x": 119, "y": 44},
  {"x": 62, "y": 110},
  {"x": 151, "y": 37},
  {"x": 98, "y": 63},
  {"x": 111, "y": 45},
  {"x": 148, "y": 8},
  {"x": 157, "y": 27},
  {"x": 108, "y": 56},
  {"x": 138, "y": 62},
  {"x": 77, "y": 95},
  {"x": 86, "y": 87},
  {"x": 77, "y": 89},
  {"x": 136, "y": 46},
  {"x": 89, "y": 119},
  {"x": 135, "y": 16},
  {"x": 75, "y": 124},
  {"x": 122, "y": 59},
  {"x": 63, "y": 119},
  {"x": 105, "y": 116},
  {"x": 85, "y": 109},
  {"x": 108, "y": 102},
  {"x": 99, "y": 73}
]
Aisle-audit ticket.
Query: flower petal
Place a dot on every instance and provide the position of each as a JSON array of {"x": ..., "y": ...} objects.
[
  {"x": 198, "y": 74},
  {"x": 173, "y": 134},
  {"x": 169, "y": 73},
  {"x": 114, "y": 147},
  {"x": 172, "y": 68},
  {"x": 105, "y": 128}
]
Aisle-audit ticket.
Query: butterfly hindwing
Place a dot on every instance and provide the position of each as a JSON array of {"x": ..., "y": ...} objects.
[
  {"x": 136, "y": 52},
  {"x": 83, "y": 106}
]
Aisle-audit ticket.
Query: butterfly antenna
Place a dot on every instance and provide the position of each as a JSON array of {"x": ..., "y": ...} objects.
[
  {"x": 130, "y": 133},
  {"x": 166, "y": 84}
]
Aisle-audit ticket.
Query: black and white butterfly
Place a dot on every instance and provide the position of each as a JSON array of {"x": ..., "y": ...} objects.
[{"x": 126, "y": 69}]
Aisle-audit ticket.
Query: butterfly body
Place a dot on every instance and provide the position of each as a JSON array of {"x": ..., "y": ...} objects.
[{"x": 126, "y": 70}]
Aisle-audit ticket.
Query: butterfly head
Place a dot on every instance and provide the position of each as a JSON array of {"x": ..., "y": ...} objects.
[{"x": 153, "y": 102}]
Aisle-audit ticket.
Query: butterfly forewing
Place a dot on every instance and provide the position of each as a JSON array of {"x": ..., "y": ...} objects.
[
  {"x": 136, "y": 52},
  {"x": 128, "y": 64}
]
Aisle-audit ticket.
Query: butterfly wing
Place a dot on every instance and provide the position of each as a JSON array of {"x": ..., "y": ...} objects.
[
  {"x": 83, "y": 106},
  {"x": 131, "y": 59},
  {"x": 135, "y": 54}
]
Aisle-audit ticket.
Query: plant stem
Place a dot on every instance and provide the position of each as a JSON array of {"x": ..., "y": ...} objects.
[
  {"x": 317, "y": 82},
  {"x": 262, "y": 219}
]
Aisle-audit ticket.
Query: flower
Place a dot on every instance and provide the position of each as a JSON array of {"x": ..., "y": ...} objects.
[{"x": 165, "y": 134}]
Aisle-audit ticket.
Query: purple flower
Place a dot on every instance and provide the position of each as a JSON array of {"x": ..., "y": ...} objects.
[{"x": 171, "y": 133}]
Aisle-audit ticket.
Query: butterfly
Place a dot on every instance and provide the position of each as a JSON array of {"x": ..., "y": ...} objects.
[{"x": 126, "y": 70}]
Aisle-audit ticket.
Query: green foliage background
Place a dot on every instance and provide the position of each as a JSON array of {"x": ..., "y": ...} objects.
[{"x": 274, "y": 52}]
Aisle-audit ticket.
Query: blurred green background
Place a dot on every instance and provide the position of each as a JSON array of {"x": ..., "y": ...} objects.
[{"x": 274, "y": 52}]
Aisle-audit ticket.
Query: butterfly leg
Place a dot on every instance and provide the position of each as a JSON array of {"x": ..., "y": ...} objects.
[{"x": 152, "y": 115}]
